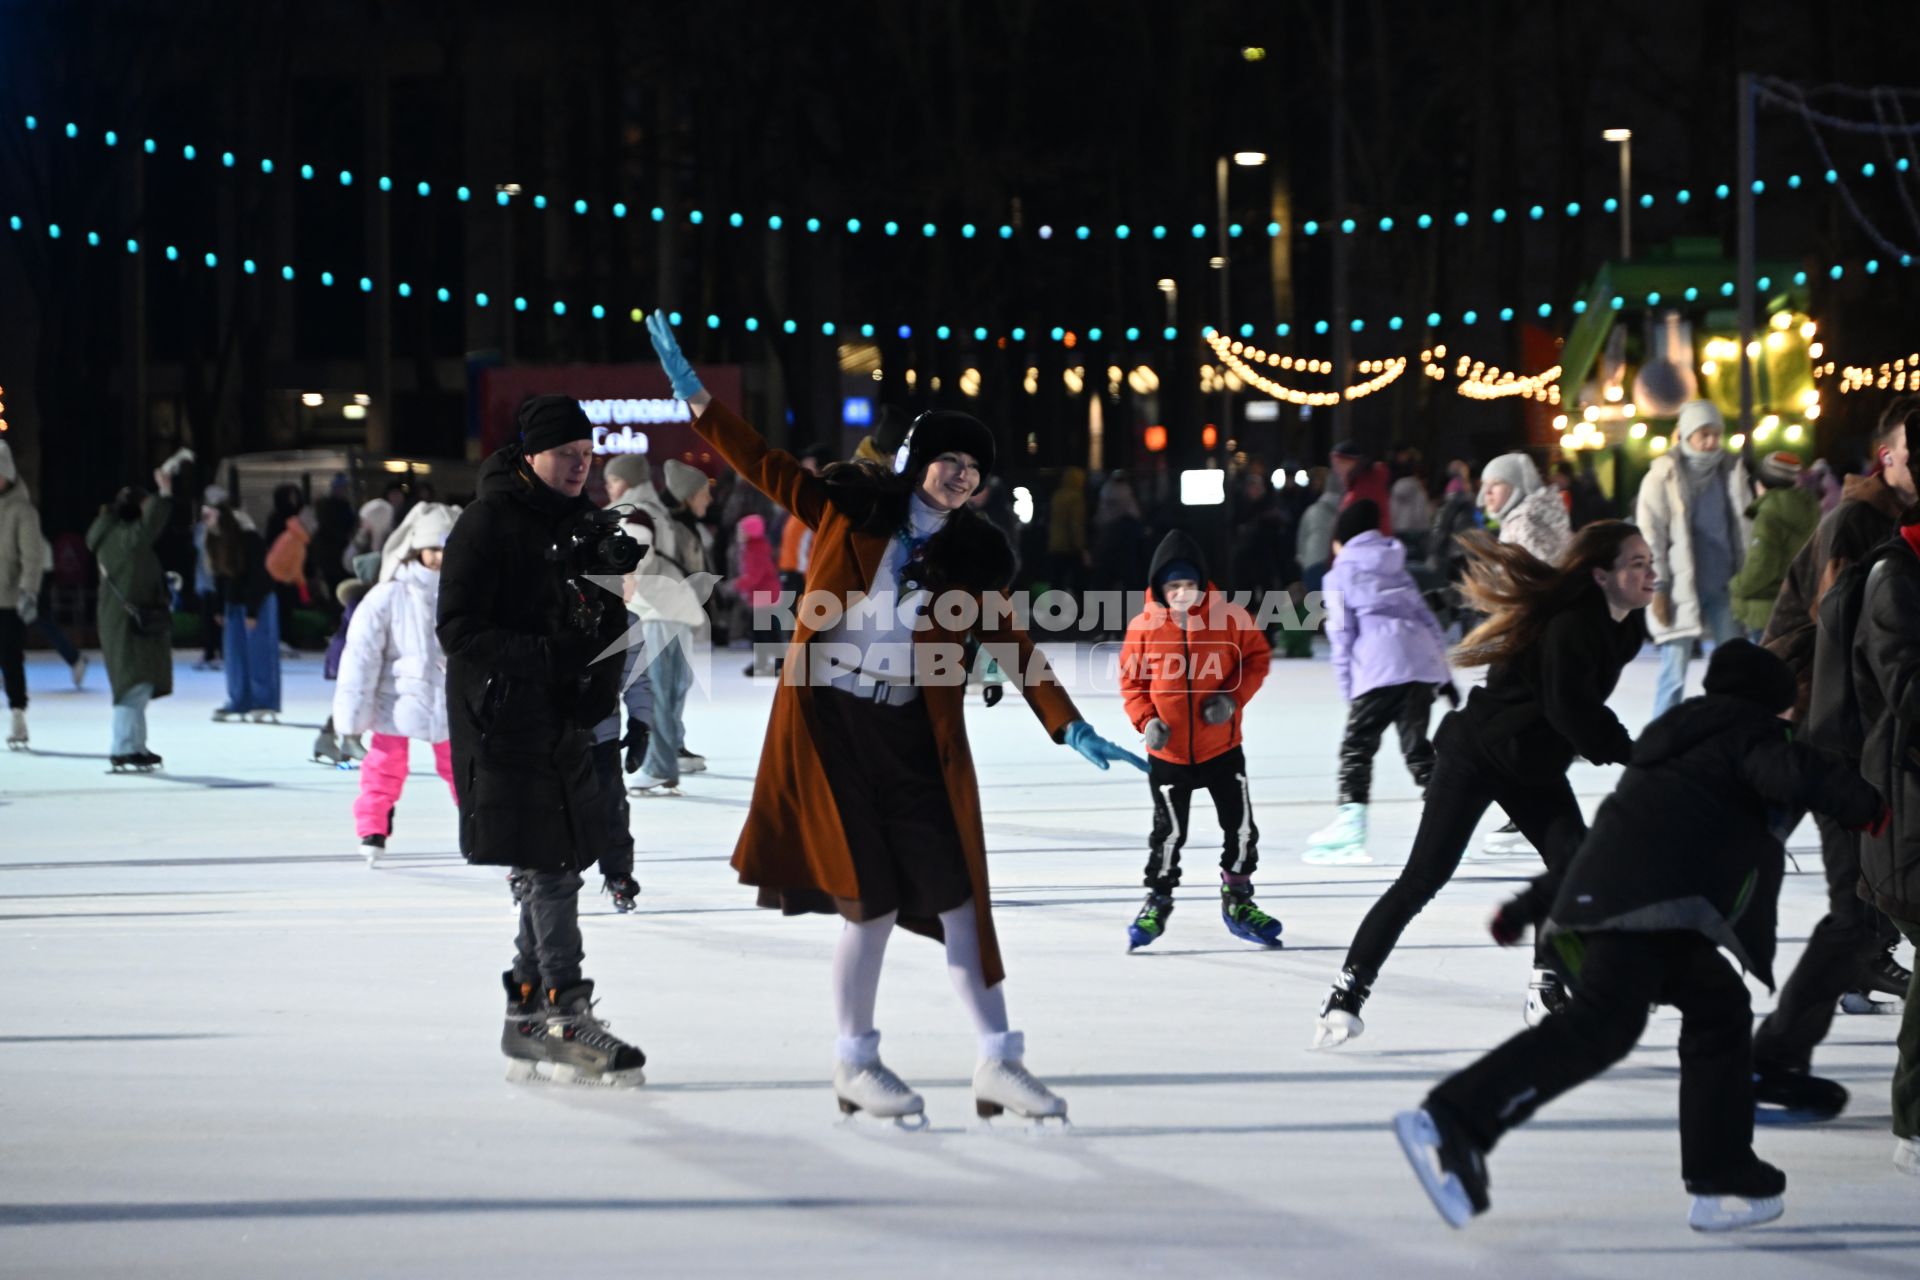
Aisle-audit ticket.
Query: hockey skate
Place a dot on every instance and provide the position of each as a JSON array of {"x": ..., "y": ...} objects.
[
  {"x": 623, "y": 890},
  {"x": 520, "y": 1039},
  {"x": 1506, "y": 842},
  {"x": 692, "y": 762},
  {"x": 340, "y": 753},
  {"x": 371, "y": 847},
  {"x": 1339, "y": 1019},
  {"x": 1244, "y": 918},
  {"x": 263, "y": 716},
  {"x": 1756, "y": 1191},
  {"x": 1782, "y": 1095},
  {"x": 1451, "y": 1169},
  {"x": 1342, "y": 842},
  {"x": 1003, "y": 1084},
  {"x": 222, "y": 715},
  {"x": 1906, "y": 1156},
  {"x": 1884, "y": 983},
  {"x": 1546, "y": 994},
  {"x": 135, "y": 762},
  {"x": 871, "y": 1087},
  {"x": 1151, "y": 922},
  {"x": 17, "y": 735},
  {"x": 576, "y": 1047}
]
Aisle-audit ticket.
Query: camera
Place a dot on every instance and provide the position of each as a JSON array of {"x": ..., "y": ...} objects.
[{"x": 597, "y": 546}]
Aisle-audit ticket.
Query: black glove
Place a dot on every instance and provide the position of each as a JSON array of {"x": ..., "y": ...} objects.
[
  {"x": 639, "y": 733},
  {"x": 992, "y": 693},
  {"x": 1509, "y": 923},
  {"x": 1451, "y": 692}
]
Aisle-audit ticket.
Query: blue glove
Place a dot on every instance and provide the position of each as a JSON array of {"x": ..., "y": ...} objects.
[
  {"x": 1098, "y": 751},
  {"x": 686, "y": 383}
]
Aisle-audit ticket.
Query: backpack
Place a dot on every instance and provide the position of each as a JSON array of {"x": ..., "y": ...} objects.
[{"x": 1833, "y": 712}]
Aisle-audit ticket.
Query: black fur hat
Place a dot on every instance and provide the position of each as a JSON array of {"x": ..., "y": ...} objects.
[
  {"x": 939, "y": 430},
  {"x": 1742, "y": 669}
]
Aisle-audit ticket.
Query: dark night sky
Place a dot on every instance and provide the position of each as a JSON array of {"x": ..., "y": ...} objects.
[{"x": 990, "y": 111}]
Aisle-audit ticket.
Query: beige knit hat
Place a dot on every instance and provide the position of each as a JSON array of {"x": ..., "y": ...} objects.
[{"x": 683, "y": 481}]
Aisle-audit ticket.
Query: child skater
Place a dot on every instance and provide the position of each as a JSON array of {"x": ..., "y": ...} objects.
[
  {"x": 1681, "y": 862},
  {"x": 393, "y": 675},
  {"x": 865, "y": 803},
  {"x": 1189, "y": 665},
  {"x": 1389, "y": 654}
]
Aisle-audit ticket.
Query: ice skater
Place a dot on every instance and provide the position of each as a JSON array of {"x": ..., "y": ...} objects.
[
  {"x": 20, "y": 571},
  {"x": 1188, "y": 667},
  {"x": 1683, "y": 861},
  {"x": 865, "y": 801},
  {"x": 525, "y": 634},
  {"x": 136, "y": 627},
  {"x": 1555, "y": 638},
  {"x": 393, "y": 675},
  {"x": 1389, "y": 655},
  {"x": 238, "y": 556}
]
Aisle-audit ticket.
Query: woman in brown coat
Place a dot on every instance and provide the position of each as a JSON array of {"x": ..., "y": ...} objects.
[{"x": 865, "y": 801}]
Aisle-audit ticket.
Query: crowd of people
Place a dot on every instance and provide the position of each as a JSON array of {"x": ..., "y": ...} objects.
[{"x": 538, "y": 642}]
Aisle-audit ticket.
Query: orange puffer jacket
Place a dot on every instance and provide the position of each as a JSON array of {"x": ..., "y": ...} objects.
[{"x": 1171, "y": 663}]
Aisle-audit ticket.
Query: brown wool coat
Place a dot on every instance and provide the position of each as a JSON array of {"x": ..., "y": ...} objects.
[{"x": 793, "y": 843}]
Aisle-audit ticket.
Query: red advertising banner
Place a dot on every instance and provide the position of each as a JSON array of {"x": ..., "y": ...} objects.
[{"x": 630, "y": 405}]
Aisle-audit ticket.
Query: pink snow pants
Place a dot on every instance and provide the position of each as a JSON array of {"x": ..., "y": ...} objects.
[{"x": 382, "y": 776}]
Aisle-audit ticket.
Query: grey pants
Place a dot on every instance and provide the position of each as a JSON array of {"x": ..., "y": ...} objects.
[{"x": 549, "y": 949}]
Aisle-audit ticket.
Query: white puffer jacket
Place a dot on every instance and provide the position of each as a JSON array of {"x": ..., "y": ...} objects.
[{"x": 393, "y": 675}]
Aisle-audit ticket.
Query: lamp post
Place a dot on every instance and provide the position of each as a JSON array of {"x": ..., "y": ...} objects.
[
  {"x": 1625, "y": 138},
  {"x": 1223, "y": 264}
]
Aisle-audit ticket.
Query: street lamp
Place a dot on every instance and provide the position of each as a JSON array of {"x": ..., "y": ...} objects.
[
  {"x": 1223, "y": 262},
  {"x": 1625, "y": 138}
]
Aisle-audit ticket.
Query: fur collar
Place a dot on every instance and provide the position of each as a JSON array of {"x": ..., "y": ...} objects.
[{"x": 969, "y": 552}]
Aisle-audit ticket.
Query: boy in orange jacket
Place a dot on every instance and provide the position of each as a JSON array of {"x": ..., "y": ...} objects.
[{"x": 1190, "y": 663}]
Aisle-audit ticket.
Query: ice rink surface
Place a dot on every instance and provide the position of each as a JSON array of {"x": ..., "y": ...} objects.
[{"x": 230, "y": 1049}]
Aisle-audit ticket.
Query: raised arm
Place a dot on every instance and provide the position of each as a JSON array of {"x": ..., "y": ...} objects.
[{"x": 774, "y": 472}]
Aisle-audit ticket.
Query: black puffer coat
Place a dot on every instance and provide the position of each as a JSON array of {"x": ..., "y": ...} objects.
[
  {"x": 1684, "y": 842},
  {"x": 522, "y": 699},
  {"x": 1886, "y": 683},
  {"x": 1536, "y": 712}
]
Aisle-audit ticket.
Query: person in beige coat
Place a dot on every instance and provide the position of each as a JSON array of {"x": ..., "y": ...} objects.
[
  {"x": 22, "y": 558},
  {"x": 1692, "y": 509}
]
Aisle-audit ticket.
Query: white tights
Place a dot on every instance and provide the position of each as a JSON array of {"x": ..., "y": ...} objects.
[{"x": 856, "y": 983}]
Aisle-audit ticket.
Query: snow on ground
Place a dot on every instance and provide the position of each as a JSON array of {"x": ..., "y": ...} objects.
[{"x": 232, "y": 1050}]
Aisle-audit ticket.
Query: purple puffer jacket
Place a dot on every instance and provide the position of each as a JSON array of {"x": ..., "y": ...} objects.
[
  {"x": 1381, "y": 629},
  {"x": 337, "y": 647}
]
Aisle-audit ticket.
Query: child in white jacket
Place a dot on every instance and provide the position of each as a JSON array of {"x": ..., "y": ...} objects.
[{"x": 393, "y": 675}]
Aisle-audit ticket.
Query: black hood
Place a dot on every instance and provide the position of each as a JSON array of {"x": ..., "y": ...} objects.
[
  {"x": 1176, "y": 546},
  {"x": 506, "y": 472},
  {"x": 1692, "y": 722}
]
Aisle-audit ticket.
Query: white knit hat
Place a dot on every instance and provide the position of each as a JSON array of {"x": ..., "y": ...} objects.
[
  {"x": 1517, "y": 471},
  {"x": 426, "y": 526},
  {"x": 1696, "y": 415}
]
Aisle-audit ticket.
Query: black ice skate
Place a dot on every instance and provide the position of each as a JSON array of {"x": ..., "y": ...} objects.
[
  {"x": 1546, "y": 994},
  {"x": 1883, "y": 986},
  {"x": 623, "y": 890},
  {"x": 526, "y": 1022},
  {"x": 135, "y": 762},
  {"x": 576, "y": 1048},
  {"x": 1756, "y": 1188},
  {"x": 1340, "y": 1015},
  {"x": 1783, "y": 1095},
  {"x": 1451, "y": 1169}
]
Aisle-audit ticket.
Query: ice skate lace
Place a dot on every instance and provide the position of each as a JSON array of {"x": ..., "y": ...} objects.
[
  {"x": 584, "y": 1028},
  {"x": 1244, "y": 911},
  {"x": 885, "y": 1081},
  {"x": 1017, "y": 1075}
]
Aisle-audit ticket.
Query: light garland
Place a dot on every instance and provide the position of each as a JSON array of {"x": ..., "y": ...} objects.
[
  {"x": 513, "y": 194},
  {"x": 1892, "y": 375},
  {"x": 1482, "y": 381},
  {"x": 1241, "y": 359}
]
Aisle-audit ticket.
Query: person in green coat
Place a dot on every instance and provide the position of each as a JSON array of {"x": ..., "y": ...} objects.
[
  {"x": 139, "y": 658},
  {"x": 1784, "y": 518}
]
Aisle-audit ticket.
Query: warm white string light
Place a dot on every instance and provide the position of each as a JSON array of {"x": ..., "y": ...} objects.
[
  {"x": 1482, "y": 381},
  {"x": 1240, "y": 358}
]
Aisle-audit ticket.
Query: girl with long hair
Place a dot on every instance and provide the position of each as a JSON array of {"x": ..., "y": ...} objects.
[{"x": 1554, "y": 639}]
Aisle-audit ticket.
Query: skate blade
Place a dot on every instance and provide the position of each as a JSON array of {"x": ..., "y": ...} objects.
[
  {"x": 1709, "y": 1213},
  {"x": 1420, "y": 1143},
  {"x": 524, "y": 1071},
  {"x": 1856, "y": 1002},
  {"x": 852, "y": 1113},
  {"x": 1336, "y": 1028}
]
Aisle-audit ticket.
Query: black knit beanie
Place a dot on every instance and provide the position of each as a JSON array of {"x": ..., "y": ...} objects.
[
  {"x": 1742, "y": 669},
  {"x": 1357, "y": 517},
  {"x": 547, "y": 422},
  {"x": 939, "y": 430}
]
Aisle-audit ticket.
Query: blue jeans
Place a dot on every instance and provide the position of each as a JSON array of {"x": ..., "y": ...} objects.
[
  {"x": 130, "y": 720},
  {"x": 671, "y": 676},
  {"x": 253, "y": 658},
  {"x": 1720, "y": 626}
]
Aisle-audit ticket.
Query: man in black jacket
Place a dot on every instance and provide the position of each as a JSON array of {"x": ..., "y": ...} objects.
[
  {"x": 524, "y": 634},
  {"x": 1886, "y": 681}
]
